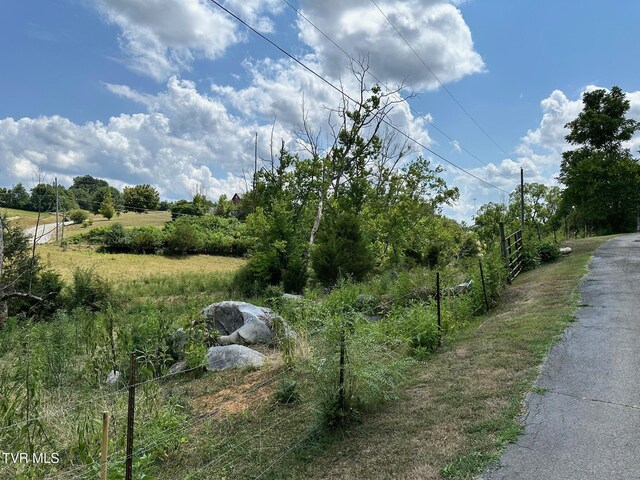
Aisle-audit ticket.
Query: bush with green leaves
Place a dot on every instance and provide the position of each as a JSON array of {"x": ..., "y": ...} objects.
[
  {"x": 372, "y": 371},
  {"x": 276, "y": 254},
  {"x": 530, "y": 256},
  {"x": 116, "y": 239},
  {"x": 416, "y": 326},
  {"x": 548, "y": 251},
  {"x": 185, "y": 238},
  {"x": 146, "y": 239},
  {"x": 88, "y": 290},
  {"x": 287, "y": 392},
  {"x": 208, "y": 234},
  {"x": 78, "y": 216}
]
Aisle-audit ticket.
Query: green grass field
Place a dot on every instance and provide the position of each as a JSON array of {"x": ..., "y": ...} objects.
[
  {"x": 26, "y": 219},
  {"x": 123, "y": 267},
  {"x": 129, "y": 219}
]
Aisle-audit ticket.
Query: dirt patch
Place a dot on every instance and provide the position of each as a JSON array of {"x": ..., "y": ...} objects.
[{"x": 247, "y": 390}]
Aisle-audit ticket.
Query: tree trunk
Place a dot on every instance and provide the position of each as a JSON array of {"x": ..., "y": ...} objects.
[{"x": 315, "y": 227}]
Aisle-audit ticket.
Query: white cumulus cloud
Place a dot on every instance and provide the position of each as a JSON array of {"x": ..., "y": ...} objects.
[
  {"x": 434, "y": 28},
  {"x": 182, "y": 139},
  {"x": 163, "y": 37}
]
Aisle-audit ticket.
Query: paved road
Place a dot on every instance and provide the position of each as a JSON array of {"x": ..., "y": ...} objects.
[
  {"x": 46, "y": 231},
  {"x": 587, "y": 425}
]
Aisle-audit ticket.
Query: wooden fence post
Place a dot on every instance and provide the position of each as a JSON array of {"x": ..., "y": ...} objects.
[
  {"x": 484, "y": 287},
  {"x": 503, "y": 242},
  {"x": 131, "y": 418}
]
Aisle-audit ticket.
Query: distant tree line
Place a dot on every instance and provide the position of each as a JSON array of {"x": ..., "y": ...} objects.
[{"x": 87, "y": 193}]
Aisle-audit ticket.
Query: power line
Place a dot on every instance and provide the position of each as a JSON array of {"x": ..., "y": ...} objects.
[
  {"x": 437, "y": 79},
  {"x": 384, "y": 120},
  {"x": 423, "y": 116}
]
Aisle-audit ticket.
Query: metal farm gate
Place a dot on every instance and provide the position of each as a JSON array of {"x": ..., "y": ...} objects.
[{"x": 511, "y": 248}]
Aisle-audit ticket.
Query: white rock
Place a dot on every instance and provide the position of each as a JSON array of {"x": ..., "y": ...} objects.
[{"x": 113, "y": 377}]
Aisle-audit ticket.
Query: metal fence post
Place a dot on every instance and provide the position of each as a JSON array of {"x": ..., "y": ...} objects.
[
  {"x": 439, "y": 312},
  {"x": 131, "y": 418},
  {"x": 104, "y": 446}
]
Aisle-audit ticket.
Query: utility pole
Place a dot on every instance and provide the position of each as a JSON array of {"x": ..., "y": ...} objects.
[
  {"x": 522, "y": 199},
  {"x": 64, "y": 216},
  {"x": 55, "y": 183},
  {"x": 255, "y": 171}
]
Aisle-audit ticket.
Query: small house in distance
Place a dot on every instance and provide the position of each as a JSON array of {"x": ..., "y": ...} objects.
[{"x": 235, "y": 199}]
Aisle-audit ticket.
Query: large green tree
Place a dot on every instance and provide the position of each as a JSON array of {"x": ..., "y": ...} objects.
[
  {"x": 355, "y": 200},
  {"x": 140, "y": 198},
  {"x": 84, "y": 189},
  {"x": 601, "y": 176}
]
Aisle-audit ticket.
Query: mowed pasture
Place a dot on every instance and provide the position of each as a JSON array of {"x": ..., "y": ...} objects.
[
  {"x": 128, "y": 219},
  {"x": 123, "y": 267},
  {"x": 25, "y": 218}
]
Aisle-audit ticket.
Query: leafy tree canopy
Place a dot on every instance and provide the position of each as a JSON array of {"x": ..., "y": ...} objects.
[
  {"x": 140, "y": 198},
  {"x": 601, "y": 176}
]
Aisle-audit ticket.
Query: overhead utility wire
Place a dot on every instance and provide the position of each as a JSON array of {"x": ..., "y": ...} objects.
[
  {"x": 313, "y": 72},
  {"x": 424, "y": 117},
  {"x": 437, "y": 79}
]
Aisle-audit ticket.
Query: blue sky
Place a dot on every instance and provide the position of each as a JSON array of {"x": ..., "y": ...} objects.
[{"x": 171, "y": 92}]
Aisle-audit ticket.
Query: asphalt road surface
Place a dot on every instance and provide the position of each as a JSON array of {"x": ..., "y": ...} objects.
[
  {"x": 586, "y": 425},
  {"x": 45, "y": 231}
]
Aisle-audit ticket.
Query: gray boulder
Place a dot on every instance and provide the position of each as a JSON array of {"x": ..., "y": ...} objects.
[
  {"x": 178, "y": 342},
  {"x": 233, "y": 356},
  {"x": 244, "y": 323},
  {"x": 292, "y": 297},
  {"x": 565, "y": 250}
]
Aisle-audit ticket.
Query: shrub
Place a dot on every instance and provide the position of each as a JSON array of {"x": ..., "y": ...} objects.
[
  {"x": 185, "y": 238},
  {"x": 88, "y": 290},
  {"x": 341, "y": 251},
  {"x": 146, "y": 239},
  {"x": 548, "y": 251},
  {"x": 194, "y": 355},
  {"x": 530, "y": 256},
  {"x": 78, "y": 216},
  {"x": 295, "y": 275},
  {"x": 372, "y": 373},
  {"x": 287, "y": 392},
  {"x": 418, "y": 328},
  {"x": 115, "y": 239},
  {"x": 48, "y": 285}
]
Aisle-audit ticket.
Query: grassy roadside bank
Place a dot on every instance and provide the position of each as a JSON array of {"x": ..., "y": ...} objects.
[{"x": 462, "y": 405}]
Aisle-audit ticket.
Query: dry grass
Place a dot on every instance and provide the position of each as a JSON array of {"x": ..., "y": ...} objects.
[
  {"x": 129, "y": 219},
  {"x": 25, "y": 218},
  {"x": 463, "y": 404},
  {"x": 126, "y": 266}
]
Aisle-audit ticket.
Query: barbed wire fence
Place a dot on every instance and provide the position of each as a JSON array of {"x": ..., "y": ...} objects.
[{"x": 227, "y": 453}]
